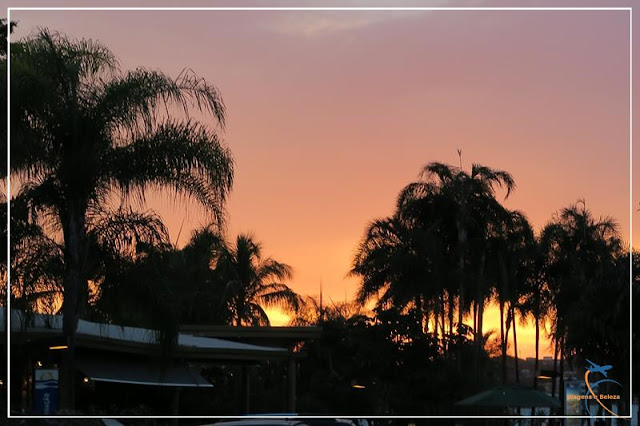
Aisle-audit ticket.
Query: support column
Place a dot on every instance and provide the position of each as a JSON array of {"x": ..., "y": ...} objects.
[
  {"x": 291, "y": 385},
  {"x": 175, "y": 405},
  {"x": 246, "y": 389}
]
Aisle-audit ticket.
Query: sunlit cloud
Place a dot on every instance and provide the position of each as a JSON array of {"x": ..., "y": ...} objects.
[
  {"x": 326, "y": 23},
  {"x": 332, "y": 22}
]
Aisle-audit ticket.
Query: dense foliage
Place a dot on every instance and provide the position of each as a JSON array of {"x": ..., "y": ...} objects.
[
  {"x": 451, "y": 247},
  {"x": 86, "y": 139}
]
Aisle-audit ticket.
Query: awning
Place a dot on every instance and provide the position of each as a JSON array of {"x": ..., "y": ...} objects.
[
  {"x": 139, "y": 373},
  {"x": 511, "y": 396}
]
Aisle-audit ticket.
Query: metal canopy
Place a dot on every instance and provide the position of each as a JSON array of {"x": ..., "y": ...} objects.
[
  {"x": 140, "y": 373},
  {"x": 510, "y": 396}
]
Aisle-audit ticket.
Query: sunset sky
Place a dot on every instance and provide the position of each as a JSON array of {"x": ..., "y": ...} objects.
[{"x": 331, "y": 113}]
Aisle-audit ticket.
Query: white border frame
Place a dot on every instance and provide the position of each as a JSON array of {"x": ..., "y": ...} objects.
[{"x": 8, "y": 322}]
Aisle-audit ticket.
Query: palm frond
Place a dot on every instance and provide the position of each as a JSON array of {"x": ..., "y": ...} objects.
[
  {"x": 185, "y": 157},
  {"x": 133, "y": 101},
  {"x": 62, "y": 57},
  {"x": 277, "y": 294},
  {"x": 256, "y": 316},
  {"x": 444, "y": 172},
  {"x": 493, "y": 177},
  {"x": 123, "y": 230},
  {"x": 270, "y": 269}
]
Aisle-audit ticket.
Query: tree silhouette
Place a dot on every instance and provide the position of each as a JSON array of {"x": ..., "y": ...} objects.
[
  {"x": 252, "y": 282},
  {"x": 537, "y": 301},
  {"x": 396, "y": 268},
  {"x": 580, "y": 252},
  {"x": 5, "y": 30},
  {"x": 83, "y": 131},
  {"x": 475, "y": 211},
  {"x": 512, "y": 250}
]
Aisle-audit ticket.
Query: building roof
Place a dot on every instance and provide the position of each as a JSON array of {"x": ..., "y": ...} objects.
[
  {"x": 137, "y": 340},
  {"x": 261, "y": 335}
]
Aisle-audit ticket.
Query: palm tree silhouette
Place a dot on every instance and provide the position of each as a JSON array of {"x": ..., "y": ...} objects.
[
  {"x": 408, "y": 259},
  {"x": 393, "y": 264},
  {"x": 82, "y": 131},
  {"x": 580, "y": 250},
  {"x": 511, "y": 251},
  {"x": 536, "y": 300},
  {"x": 36, "y": 262},
  {"x": 475, "y": 209},
  {"x": 252, "y": 282}
]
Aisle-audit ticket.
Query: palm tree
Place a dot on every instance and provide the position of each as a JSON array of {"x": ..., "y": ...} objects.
[
  {"x": 82, "y": 131},
  {"x": 401, "y": 263},
  {"x": 118, "y": 241},
  {"x": 205, "y": 282},
  {"x": 473, "y": 210},
  {"x": 200, "y": 283},
  {"x": 36, "y": 262},
  {"x": 146, "y": 274},
  {"x": 310, "y": 313},
  {"x": 537, "y": 301},
  {"x": 580, "y": 253},
  {"x": 511, "y": 249},
  {"x": 180, "y": 285},
  {"x": 427, "y": 213},
  {"x": 5, "y": 29},
  {"x": 391, "y": 268},
  {"x": 406, "y": 260},
  {"x": 252, "y": 282}
]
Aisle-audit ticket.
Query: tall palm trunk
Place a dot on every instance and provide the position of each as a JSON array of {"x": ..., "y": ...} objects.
[
  {"x": 481, "y": 323},
  {"x": 75, "y": 236},
  {"x": 436, "y": 316},
  {"x": 479, "y": 338},
  {"x": 480, "y": 307},
  {"x": 535, "y": 375},
  {"x": 503, "y": 345},
  {"x": 423, "y": 313},
  {"x": 515, "y": 342},
  {"x": 425, "y": 317},
  {"x": 555, "y": 366},
  {"x": 475, "y": 320},
  {"x": 451, "y": 301},
  {"x": 479, "y": 344},
  {"x": 442, "y": 318},
  {"x": 561, "y": 380},
  {"x": 480, "y": 301},
  {"x": 462, "y": 241},
  {"x": 239, "y": 311}
]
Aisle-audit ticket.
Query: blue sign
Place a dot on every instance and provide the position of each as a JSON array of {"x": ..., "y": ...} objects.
[{"x": 46, "y": 392}]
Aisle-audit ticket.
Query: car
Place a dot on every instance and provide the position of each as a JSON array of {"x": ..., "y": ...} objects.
[{"x": 288, "y": 419}]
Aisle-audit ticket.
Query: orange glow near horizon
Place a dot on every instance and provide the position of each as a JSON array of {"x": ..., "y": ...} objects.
[
  {"x": 525, "y": 335},
  {"x": 331, "y": 114}
]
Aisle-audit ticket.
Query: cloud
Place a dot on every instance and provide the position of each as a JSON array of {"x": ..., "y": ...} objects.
[
  {"x": 314, "y": 23},
  {"x": 325, "y": 23}
]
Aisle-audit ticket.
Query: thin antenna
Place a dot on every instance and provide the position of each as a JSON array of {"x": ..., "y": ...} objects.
[
  {"x": 460, "y": 156},
  {"x": 179, "y": 233}
]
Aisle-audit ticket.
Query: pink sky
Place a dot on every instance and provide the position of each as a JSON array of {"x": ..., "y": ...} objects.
[{"x": 331, "y": 113}]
